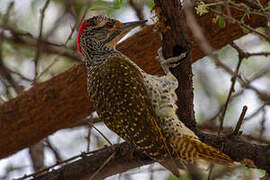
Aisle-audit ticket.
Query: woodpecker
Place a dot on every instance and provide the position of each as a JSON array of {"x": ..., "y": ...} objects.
[{"x": 139, "y": 107}]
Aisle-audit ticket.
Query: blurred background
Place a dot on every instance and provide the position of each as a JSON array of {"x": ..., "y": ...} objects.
[{"x": 211, "y": 83}]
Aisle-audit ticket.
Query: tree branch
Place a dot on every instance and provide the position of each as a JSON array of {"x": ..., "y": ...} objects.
[{"x": 125, "y": 158}]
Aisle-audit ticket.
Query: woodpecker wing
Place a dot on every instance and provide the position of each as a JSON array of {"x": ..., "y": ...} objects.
[{"x": 121, "y": 100}]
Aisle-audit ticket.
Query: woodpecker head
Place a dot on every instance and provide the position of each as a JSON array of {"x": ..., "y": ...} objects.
[{"x": 100, "y": 32}]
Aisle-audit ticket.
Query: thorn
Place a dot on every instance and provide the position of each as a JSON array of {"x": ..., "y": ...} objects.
[{"x": 236, "y": 131}]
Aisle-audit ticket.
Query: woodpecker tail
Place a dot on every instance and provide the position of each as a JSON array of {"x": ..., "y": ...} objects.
[{"x": 189, "y": 148}]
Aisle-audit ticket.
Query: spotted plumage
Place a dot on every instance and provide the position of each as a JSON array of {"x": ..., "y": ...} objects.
[
  {"x": 119, "y": 95},
  {"x": 139, "y": 107}
]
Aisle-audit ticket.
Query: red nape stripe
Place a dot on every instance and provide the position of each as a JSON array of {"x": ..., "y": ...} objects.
[{"x": 82, "y": 27}]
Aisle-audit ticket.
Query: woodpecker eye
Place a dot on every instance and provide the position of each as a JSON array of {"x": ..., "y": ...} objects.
[{"x": 109, "y": 24}]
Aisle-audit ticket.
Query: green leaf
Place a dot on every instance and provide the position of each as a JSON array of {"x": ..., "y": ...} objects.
[
  {"x": 152, "y": 3},
  {"x": 221, "y": 22},
  {"x": 149, "y": 3},
  {"x": 117, "y": 4},
  {"x": 245, "y": 30},
  {"x": 260, "y": 4}
]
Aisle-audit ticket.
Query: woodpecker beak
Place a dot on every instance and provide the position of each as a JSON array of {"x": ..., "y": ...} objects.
[
  {"x": 130, "y": 25},
  {"x": 120, "y": 30}
]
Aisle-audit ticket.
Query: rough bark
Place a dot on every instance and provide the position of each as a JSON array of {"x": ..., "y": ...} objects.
[
  {"x": 176, "y": 41},
  {"x": 124, "y": 159}
]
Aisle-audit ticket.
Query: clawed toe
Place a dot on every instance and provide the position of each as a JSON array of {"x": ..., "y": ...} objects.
[{"x": 170, "y": 62}]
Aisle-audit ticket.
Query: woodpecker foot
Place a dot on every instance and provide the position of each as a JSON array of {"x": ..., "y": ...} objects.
[{"x": 170, "y": 62}]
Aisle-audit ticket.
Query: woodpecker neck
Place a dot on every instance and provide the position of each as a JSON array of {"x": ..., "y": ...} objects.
[{"x": 96, "y": 52}]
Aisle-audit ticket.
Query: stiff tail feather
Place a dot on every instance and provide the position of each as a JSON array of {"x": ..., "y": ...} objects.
[{"x": 190, "y": 148}]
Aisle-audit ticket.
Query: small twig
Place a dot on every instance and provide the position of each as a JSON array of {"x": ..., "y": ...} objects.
[
  {"x": 57, "y": 164},
  {"x": 19, "y": 74},
  {"x": 81, "y": 20},
  {"x": 138, "y": 8},
  {"x": 221, "y": 108},
  {"x": 194, "y": 172},
  {"x": 249, "y": 81},
  {"x": 229, "y": 130},
  {"x": 5, "y": 22},
  {"x": 262, "y": 123},
  {"x": 46, "y": 69},
  {"x": 69, "y": 5},
  {"x": 42, "y": 15},
  {"x": 36, "y": 154},
  {"x": 90, "y": 125},
  {"x": 228, "y": 9},
  {"x": 65, "y": 44},
  {"x": 85, "y": 121},
  {"x": 76, "y": 25},
  {"x": 26, "y": 39},
  {"x": 259, "y": 54},
  {"x": 54, "y": 150},
  {"x": 255, "y": 113},
  {"x": 240, "y": 58},
  {"x": 125, "y": 176},
  {"x": 210, "y": 174},
  {"x": 250, "y": 3},
  {"x": 244, "y": 9},
  {"x": 263, "y": 95},
  {"x": 151, "y": 170},
  {"x": 240, "y": 121},
  {"x": 240, "y": 23},
  {"x": 196, "y": 29},
  {"x": 102, "y": 135},
  {"x": 56, "y": 24},
  {"x": 103, "y": 165},
  {"x": 37, "y": 55},
  {"x": 71, "y": 33},
  {"x": 3, "y": 70}
]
